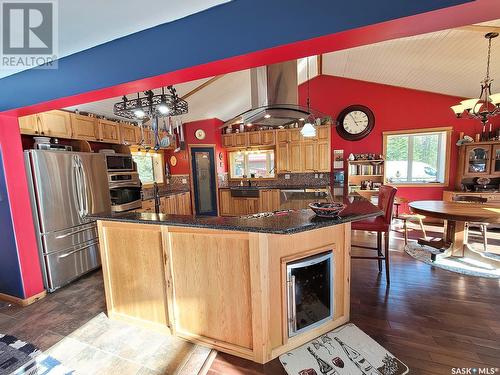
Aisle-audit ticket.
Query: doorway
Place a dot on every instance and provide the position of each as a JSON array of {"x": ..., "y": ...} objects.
[{"x": 204, "y": 183}]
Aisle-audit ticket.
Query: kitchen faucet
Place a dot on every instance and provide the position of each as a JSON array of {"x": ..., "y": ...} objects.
[{"x": 156, "y": 194}]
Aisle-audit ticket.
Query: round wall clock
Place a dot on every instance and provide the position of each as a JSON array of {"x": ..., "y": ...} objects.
[
  {"x": 200, "y": 134},
  {"x": 355, "y": 122},
  {"x": 173, "y": 161}
]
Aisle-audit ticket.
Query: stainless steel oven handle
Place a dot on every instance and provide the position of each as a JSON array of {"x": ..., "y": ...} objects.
[{"x": 294, "y": 305}]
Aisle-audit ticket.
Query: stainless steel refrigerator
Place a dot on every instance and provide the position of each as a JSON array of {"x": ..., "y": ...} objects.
[{"x": 65, "y": 188}]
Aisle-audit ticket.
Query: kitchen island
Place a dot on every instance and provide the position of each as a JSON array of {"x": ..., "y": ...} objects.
[{"x": 226, "y": 282}]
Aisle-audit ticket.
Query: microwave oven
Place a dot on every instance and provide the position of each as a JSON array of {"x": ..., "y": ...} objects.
[{"x": 120, "y": 163}]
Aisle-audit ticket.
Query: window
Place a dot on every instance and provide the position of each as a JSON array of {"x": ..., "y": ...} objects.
[
  {"x": 252, "y": 164},
  {"x": 149, "y": 167},
  {"x": 417, "y": 157}
]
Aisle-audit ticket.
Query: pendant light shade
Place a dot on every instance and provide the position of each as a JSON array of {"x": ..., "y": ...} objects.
[{"x": 308, "y": 130}]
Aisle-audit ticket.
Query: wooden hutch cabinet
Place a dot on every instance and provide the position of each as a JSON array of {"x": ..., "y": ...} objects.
[{"x": 480, "y": 159}]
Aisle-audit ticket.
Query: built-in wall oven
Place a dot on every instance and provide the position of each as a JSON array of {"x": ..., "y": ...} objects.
[
  {"x": 310, "y": 297},
  {"x": 124, "y": 183}
]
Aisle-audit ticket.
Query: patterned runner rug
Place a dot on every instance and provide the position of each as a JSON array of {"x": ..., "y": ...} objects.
[
  {"x": 18, "y": 357},
  {"x": 346, "y": 350}
]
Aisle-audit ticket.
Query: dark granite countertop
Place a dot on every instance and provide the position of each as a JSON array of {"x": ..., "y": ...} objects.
[
  {"x": 295, "y": 221},
  {"x": 280, "y": 187}
]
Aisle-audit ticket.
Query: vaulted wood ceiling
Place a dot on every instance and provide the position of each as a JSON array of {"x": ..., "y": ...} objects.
[{"x": 451, "y": 62}]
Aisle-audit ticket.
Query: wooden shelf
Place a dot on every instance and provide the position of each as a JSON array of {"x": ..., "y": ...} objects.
[
  {"x": 367, "y": 175},
  {"x": 365, "y": 161}
]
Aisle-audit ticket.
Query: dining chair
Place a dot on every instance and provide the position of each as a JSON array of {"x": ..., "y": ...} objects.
[
  {"x": 482, "y": 226},
  {"x": 381, "y": 225},
  {"x": 406, "y": 217}
]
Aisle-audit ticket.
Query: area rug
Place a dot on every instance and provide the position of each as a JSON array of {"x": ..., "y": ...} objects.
[
  {"x": 18, "y": 358},
  {"x": 104, "y": 346},
  {"x": 346, "y": 350},
  {"x": 463, "y": 266}
]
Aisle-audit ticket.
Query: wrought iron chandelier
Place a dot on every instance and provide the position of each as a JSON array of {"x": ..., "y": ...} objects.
[
  {"x": 488, "y": 104},
  {"x": 151, "y": 105}
]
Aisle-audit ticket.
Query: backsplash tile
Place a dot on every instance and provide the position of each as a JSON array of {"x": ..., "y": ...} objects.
[{"x": 294, "y": 180}]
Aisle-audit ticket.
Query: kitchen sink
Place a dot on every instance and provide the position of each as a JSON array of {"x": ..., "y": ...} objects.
[{"x": 245, "y": 191}]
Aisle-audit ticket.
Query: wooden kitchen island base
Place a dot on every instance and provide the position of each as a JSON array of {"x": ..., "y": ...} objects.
[{"x": 221, "y": 288}]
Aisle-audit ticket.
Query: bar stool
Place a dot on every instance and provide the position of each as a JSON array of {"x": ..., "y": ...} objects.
[{"x": 381, "y": 225}]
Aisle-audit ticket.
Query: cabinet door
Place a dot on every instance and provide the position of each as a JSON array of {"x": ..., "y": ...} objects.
[
  {"x": 495, "y": 161},
  {"x": 225, "y": 208},
  {"x": 169, "y": 205},
  {"x": 29, "y": 125},
  {"x": 55, "y": 124},
  {"x": 295, "y": 135},
  {"x": 269, "y": 200},
  {"x": 254, "y": 138},
  {"x": 183, "y": 202},
  {"x": 241, "y": 139},
  {"x": 295, "y": 159},
  {"x": 309, "y": 157},
  {"x": 323, "y": 132},
  {"x": 282, "y": 151},
  {"x": 268, "y": 137},
  {"x": 84, "y": 127},
  {"x": 251, "y": 206},
  {"x": 127, "y": 134},
  {"x": 109, "y": 131},
  {"x": 477, "y": 160},
  {"x": 283, "y": 135},
  {"x": 228, "y": 140},
  {"x": 324, "y": 157}
]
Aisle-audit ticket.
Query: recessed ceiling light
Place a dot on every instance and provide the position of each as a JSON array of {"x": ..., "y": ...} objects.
[
  {"x": 267, "y": 116},
  {"x": 301, "y": 119}
]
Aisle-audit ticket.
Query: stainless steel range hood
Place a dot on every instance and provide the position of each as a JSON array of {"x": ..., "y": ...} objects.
[{"x": 274, "y": 95}]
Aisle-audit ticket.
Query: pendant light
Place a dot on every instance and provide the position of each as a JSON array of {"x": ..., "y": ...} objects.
[{"x": 308, "y": 130}]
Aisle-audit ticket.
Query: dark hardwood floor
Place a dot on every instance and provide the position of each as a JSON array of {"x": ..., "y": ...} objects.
[{"x": 432, "y": 319}]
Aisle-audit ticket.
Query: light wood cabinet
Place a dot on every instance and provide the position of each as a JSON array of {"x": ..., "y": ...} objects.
[
  {"x": 295, "y": 157},
  {"x": 244, "y": 206},
  {"x": 128, "y": 134},
  {"x": 324, "y": 157},
  {"x": 295, "y": 135},
  {"x": 282, "y": 157},
  {"x": 54, "y": 124},
  {"x": 228, "y": 140},
  {"x": 268, "y": 137},
  {"x": 269, "y": 200},
  {"x": 254, "y": 138},
  {"x": 240, "y": 139},
  {"x": 84, "y": 127},
  {"x": 323, "y": 133},
  {"x": 309, "y": 156},
  {"x": 109, "y": 131},
  {"x": 184, "y": 204},
  {"x": 283, "y": 135},
  {"x": 225, "y": 202},
  {"x": 29, "y": 125}
]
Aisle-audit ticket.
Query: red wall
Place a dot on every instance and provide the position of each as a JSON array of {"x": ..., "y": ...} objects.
[
  {"x": 395, "y": 108},
  {"x": 19, "y": 199},
  {"x": 213, "y": 136}
]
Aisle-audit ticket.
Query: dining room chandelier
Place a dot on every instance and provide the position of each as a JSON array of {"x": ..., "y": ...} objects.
[
  {"x": 150, "y": 105},
  {"x": 488, "y": 104}
]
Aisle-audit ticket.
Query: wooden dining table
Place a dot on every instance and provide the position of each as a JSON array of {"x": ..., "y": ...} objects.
[{"x": 456, "y": 214}]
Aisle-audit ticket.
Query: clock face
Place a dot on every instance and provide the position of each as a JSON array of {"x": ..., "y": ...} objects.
[
  {"x": 200, "y": 134},
  {"x": 355, "y": 122}
]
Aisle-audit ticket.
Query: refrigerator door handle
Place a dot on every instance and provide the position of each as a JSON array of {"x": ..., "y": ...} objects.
[
  {"x": 75, "y": 251},
  {"x": 85, "y": 190},
  {"x": 76, "y": 174}
]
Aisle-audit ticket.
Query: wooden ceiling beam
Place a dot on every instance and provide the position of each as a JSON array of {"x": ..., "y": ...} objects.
[
  {"x": 202, "y": 86},
  {"x": 480, "y": 28}
]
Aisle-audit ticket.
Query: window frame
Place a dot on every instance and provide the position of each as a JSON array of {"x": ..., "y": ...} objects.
[
  {"x": 447, "y": 130},
  {"x": 161, "y": 163},
  {"x": 230, "y": 168}
]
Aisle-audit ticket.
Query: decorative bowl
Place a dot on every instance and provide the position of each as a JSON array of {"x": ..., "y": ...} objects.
[{"x": 327, "y": 209}]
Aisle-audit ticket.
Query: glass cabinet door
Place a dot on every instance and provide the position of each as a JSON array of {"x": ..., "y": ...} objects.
[
  {"x": 495, "y": 160},
  {"x": 478, "y": 160}
]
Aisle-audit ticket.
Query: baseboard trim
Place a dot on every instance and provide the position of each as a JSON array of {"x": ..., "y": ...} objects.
[{"x": 20, "y": 301}]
